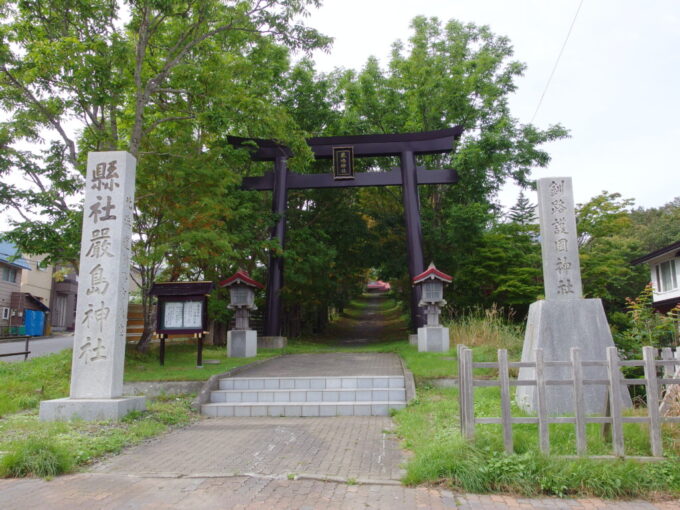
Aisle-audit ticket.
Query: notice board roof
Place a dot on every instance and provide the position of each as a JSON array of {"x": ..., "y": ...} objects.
[{"x": 181, "y": 288}]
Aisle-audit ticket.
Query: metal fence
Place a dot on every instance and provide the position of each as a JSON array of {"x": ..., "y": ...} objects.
[{"x": 614, "y": 382}]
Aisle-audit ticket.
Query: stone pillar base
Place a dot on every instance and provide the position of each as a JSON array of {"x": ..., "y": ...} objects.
[
  {"x": 271, "y": 342},
  {"x": 433, "y": 339},
  {"x": 90, "y": 409},
  {"x": 556, "y": 326},
  {"x": 413, "y": 339},
  {"x": 241, "y": 343}
]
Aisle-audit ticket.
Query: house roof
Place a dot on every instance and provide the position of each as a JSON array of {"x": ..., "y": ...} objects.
[
  {"x": 432, "y": 273},
  {"x": 241, "y": 276},
  {"x": 181, "y": 289},
  {"x": 9, "y": 254},
  {"x": 657, "y": 253},
  {"x": 37, "y": 302}
]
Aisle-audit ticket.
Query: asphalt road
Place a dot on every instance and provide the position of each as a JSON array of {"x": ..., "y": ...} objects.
[{"x": 37, "y": 346}]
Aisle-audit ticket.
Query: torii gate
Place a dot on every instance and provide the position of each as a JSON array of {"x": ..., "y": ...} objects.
[{"x": 342, "y": 149}]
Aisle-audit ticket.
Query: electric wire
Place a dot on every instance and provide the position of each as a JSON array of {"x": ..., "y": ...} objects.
[{"x": 557, "y": 61}]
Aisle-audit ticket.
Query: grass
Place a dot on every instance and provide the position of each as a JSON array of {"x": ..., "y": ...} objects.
[
  {"x": 429, "y": 428},
  {"x": 180, "y": 363},
  {"x": 47, "y": 449},
  {"x": 24, "y": 384}
]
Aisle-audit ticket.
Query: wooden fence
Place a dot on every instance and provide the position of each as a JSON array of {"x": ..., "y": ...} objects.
[{"x": 614, "y": 382}]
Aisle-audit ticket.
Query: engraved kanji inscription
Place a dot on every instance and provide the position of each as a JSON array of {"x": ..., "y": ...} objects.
[
  {"x": 558, "y": 206},
  {"x": 561, "y": 245},
  {"x": 563, "y": 265},
  {"x": 92, "y": 350},
  {"x": 565, "y": 286},
  {"x": 99, "y": 244},
  {"x": 102, "y": 212},
  {"x": 96, "y": 316},
  {"x": 98, "y": 282},
  {"x": 104, "y": 176},
  {"x": 556, "y": 187},
  {"x": 559, "y": 225}
]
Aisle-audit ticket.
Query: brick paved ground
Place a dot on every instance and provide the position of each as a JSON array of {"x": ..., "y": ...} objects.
[
  {"x": 330, "y": 364},
  {"x": 358, "y": 447},
  {"x": 115, "y": 492}
]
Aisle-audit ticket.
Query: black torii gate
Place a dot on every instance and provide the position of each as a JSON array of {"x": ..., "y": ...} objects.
[{"x": 404, "y": 145}]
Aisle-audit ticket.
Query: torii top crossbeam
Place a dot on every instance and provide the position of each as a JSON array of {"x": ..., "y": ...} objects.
[{"x": 404, "y": 145}]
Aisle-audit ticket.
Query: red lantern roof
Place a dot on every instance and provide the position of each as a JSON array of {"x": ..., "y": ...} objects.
[
  {"x": 242, "y": 277},
  {"x": 432, "y": 273}
]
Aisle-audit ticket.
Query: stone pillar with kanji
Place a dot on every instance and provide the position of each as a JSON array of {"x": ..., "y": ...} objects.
[
  {"x": 564, "y": 319},
  {"x": 101, "y": 314}
]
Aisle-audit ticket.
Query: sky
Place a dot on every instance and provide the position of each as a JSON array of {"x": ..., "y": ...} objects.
[{"x": 616, "y": 87}]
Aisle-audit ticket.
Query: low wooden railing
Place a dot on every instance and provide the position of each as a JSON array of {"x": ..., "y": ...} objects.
[{"x": 614, "y": 383}]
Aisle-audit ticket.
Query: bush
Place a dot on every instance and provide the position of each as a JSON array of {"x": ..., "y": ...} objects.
[{"x": 36, "y": 456}]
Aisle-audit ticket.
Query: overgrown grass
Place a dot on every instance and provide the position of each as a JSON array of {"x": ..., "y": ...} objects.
[
  {"x": 429, "y": 427},
  {"x": 488, "y": 330},
  {"x": 46, "y": 449}
]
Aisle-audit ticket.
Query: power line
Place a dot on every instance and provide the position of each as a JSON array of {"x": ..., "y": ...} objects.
[{"x": 557, "y": 61}]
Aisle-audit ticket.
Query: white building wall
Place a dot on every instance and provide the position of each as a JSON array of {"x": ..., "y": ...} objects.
[
  {"x": 655, "y": 267},
  {"x": 38, "y": 281}
]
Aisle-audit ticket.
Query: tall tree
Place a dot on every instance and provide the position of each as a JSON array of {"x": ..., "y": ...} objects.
[
  {"x": 166, "y": 86},
  {"x": 450, "y": 74}
]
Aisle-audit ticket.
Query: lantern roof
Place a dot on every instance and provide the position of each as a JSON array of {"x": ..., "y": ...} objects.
[
  {"x": 181, "y": 289},
  {"x": 432, "y": 273},
  {"x": 243, "y": 278}
]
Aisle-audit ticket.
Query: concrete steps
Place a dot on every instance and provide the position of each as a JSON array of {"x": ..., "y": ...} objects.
[{"x": 307, "y": 396}]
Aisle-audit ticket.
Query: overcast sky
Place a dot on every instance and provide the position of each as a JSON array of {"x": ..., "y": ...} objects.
[{"x": 617, "y": 86}]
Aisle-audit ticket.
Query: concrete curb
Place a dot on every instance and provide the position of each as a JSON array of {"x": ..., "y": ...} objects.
[
  {"x": 213, "y": 383},
  {"x": 409, "y": 382},
  {"x": 157, "y": 388}
]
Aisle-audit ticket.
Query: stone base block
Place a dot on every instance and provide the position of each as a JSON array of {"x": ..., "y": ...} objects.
[
  {"x": 90, "y": 409},
  {"x": 241, "y": 343},
  {"x": 271, "y": 342},
  {"x": 413, "y": 339},
  {"x": 556, "y": 326},
  {"x": 433, "y": 339}
]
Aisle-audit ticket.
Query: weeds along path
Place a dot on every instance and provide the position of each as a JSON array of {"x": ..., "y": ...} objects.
[{"x": 370, "y": 319}]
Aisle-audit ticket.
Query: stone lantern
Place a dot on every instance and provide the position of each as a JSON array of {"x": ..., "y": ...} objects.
[
  {"x": 242, "y": 341},
  {"x": 432, "y": 337}
]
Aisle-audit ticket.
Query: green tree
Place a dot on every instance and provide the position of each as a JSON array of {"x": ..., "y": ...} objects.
[
  {"x": 657, "y": 227},
  {"x": 450, "y": 74},
  {"x": 166, "y": 86},
  {"x": 607, "y": 244}
]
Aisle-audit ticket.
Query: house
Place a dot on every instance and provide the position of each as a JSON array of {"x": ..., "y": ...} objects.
[
  {"x": 55, "y": 287},
  {"x": 664, "y": 266},
  {"x": 63, "y": 298},
  {"x": 11, "y": 268}
]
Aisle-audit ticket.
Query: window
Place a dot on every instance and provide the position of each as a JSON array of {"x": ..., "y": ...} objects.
[
  {"x": 5, "y": 313},
  {"x": 9, "y": 274},
  {"x": 666, "y": 276}
]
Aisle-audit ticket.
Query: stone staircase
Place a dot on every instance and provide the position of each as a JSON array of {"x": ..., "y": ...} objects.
[{"x": 307, "y": 396}]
